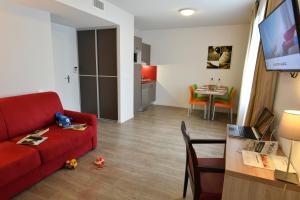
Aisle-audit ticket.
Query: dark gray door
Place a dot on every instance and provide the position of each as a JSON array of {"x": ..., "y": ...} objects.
[
  {"x": 108, "y": 98},
  {"x": 87, "y": 71},
  {"x": 107, "y": 52},
  {"x": 88, "y": 92},
  {"x": 87, "y": 52},
  {"x": 107, "y": 69}
]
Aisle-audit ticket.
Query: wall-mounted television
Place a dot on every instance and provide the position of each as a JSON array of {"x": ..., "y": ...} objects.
[{"x": 280, "y": 37}]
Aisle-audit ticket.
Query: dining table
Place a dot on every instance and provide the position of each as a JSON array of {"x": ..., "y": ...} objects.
[{"x": 211, "y": 91}]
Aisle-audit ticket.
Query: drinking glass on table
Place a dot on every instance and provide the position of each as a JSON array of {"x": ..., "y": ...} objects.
[{"x": 219, "y": 83}]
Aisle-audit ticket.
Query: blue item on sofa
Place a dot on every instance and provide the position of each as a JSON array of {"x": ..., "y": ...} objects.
[{"x": 62, "y": 120}]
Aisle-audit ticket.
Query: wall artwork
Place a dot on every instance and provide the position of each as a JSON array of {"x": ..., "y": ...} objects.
[{"x": 219, "y": 57}]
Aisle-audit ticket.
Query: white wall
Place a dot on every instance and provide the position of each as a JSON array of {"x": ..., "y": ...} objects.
[
  {"x": 26, "y": 62},
  {"x": 181, "y": 56},
  {"x": 138, "y": 33},
  {"x": 288, "y": 98},
  {"x": 65, "y": 57},
  {"x": 125, "y": 21}
]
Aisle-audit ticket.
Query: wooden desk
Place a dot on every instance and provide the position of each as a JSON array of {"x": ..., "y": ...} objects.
[{"x": 250, "y": 183}]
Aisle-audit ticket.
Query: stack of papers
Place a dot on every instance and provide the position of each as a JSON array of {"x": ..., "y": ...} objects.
[
  {"x": 270, "y": 147},
  {"x": 265, "y": 161},
  {"x": 77, "y": 127},
  {"x": 34, "y": 138}
]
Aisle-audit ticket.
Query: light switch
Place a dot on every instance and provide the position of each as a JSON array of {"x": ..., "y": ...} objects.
[{"x": 75, "y": 70}]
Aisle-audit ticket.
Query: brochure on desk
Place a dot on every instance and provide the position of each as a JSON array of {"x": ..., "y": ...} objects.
[
  {"x": 269, "y": 147},
  {"x": 270, "y": 162}
]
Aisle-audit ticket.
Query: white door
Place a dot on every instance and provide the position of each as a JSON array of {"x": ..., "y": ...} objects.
[{"x": 65, "y": 62}]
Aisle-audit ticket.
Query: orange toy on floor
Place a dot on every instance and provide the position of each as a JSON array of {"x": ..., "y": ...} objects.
[{"x": 71, "y": 164}]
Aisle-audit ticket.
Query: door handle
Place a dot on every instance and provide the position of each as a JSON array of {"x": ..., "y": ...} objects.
[{"x": 68, "y": 78}]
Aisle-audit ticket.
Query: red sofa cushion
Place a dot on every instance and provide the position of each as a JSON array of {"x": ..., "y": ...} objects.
[
  {"x": 26, "y": 113},
  {"x": 16, "y": 161},
  {"x": 3, "y": 131},
  {"x": 60, "y": 141}
]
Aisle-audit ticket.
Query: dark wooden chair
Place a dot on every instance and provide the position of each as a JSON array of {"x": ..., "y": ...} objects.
[{"x": 206, "y": 175}]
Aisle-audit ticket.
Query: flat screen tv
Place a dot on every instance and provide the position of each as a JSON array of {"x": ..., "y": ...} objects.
[{"x": 280, "y": 38}]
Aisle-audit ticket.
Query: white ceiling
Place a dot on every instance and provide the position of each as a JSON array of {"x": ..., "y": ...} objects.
[
  {"x": 162, "y": 14},
  {"x": 66, "y": 15}
]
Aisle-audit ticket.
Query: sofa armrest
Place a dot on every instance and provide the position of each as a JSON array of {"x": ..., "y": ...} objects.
[
  {"x": 79, "y": 117},
  {"x": 89, "y": 119}
]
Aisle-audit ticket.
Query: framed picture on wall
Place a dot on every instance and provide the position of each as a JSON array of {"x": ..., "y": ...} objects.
[{"x": 219, "y": 57}]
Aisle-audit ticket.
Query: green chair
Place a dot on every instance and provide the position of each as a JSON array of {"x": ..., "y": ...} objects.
[
  {"x": 225, "y": 98},
  {"x": 198, "y": 96},
  {"x": 226, "y": 102}
]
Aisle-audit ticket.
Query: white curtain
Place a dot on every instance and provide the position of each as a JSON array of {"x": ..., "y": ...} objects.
[{"x": 250, "y": 60}]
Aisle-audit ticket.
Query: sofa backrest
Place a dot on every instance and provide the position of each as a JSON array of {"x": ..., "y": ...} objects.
[
  {"x": 26, "y": 113},
  {"x": 3, "y": 131}
]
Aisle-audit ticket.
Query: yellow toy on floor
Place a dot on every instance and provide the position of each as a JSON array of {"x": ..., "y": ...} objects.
[{"x": 71, "y": 164}]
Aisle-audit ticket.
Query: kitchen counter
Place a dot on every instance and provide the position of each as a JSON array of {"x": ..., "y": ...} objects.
[
  {"x": 145, "y": 81},
  {"x": 148, "y": 93},
  {"x": 144, "y": 86}
]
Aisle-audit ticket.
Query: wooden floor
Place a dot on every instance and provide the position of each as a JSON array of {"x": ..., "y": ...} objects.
[{"x": 145, "y": 159}]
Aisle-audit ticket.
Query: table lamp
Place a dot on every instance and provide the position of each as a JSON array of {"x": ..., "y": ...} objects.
[{"x": 289, "y": 128}]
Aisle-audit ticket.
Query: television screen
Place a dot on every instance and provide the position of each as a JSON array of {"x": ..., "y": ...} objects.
[{"x": 279, "y": 35}]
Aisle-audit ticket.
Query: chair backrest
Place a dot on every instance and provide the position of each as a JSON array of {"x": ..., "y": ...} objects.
[
  {"x": 24, "y": 114},
  {"x": 232, "y": 97},
  {"x": 191, "y": 90},
  {"x": 230, "y": 91},
  {"x": 191, "y": 161}
]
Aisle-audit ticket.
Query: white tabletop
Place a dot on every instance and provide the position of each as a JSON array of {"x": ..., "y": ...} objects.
[{"x": 215, "y": 91}]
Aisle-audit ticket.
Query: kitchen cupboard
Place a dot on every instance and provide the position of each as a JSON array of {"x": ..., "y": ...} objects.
[
  {"x": 148, "y": 94},
  {"x": 137, "y": 87},
  {"x": 146, "y": 53},
  {"x": 138, "y": 43}
]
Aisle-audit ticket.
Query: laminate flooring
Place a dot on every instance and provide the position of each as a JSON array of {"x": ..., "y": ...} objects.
[{"x": 144, "y": 159}]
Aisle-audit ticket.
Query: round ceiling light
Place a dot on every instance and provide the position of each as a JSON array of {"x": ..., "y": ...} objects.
[{"x": 187, "y": 12}]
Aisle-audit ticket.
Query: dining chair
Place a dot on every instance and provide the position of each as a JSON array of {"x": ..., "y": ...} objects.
[
  {"x": 196, "y": 99},
  {"x": 226, "y": 104},
  {"x": 206, "y": 175},
  {"x": 225, "y": 98}
]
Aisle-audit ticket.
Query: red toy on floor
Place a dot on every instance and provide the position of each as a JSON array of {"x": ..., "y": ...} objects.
[{"x": 99, "y": 162}]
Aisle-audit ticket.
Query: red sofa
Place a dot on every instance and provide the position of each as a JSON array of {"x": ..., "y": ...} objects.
[{"x": 23, "y": 165}]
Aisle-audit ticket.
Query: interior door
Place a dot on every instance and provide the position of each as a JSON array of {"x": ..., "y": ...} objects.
[
  {"x": 107, "y": 71},
  {"x": 65, "y": 63},
  {"x": 108, "y": 97},
  {"x": 88, "y": 90},
  {"x": 88, "y": 71}
]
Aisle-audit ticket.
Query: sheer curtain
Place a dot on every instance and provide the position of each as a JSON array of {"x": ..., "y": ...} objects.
[
  {"x": 264, "y": 84},
  {"x": 258, "y": 14}
]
